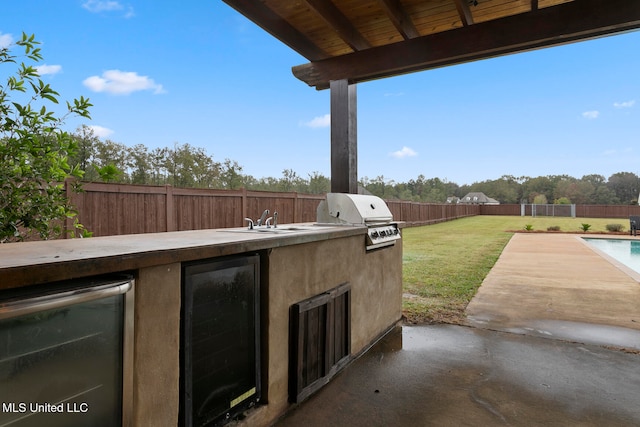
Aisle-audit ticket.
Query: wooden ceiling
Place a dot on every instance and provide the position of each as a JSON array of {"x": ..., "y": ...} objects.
[{"x": 360, "y": 40}]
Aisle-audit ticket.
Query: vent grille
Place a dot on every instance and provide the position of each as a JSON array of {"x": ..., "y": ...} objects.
[{"x": 320, "y": 340}]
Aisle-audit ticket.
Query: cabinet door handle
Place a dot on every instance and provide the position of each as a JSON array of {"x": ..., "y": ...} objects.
[{"x": 25, "y": 306}]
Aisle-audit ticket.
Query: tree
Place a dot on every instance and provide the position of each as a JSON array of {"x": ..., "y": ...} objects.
[
  {"x": 192, "y": 167},
  {"x": 231, "y": 175},
  {"x": 540, "y": 199},
  {"x": 379, "y": 186},
  {"x": 595, "y": 180},
  {"x": 34, "y": 150},
  {"x": 84, "y": 156},
  {"x": 109, "y": 173},
  {"x": 625, "y": 185},
  {"x": 318, "y": 183},
  {"x": 604, "y": 196},
  {"x": 533, "y": 187},
  {"x": 112, "y": 156},
  {"x": 159, "y": 159},
  {"x": 290, "y": 180},
  {"x": 506, "y": 189},
  {"x": 139, "y": 161},
  {"x": 578, "y": 191}
]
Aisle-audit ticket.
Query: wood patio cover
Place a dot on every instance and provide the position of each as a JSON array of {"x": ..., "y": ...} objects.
[{"x": 360, "y": 40}]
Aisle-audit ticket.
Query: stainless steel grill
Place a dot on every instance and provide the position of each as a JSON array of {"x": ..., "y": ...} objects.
[{"x": 359, "y": 209}]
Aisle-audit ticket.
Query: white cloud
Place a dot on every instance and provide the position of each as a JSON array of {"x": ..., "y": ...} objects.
[
  {"x": 591, "y": 115},
  {"x": 48, "y": 69},
  {"x": 319, "y": 122},
  {"x": 101, "y": 132},
  {"x": 405, "y": 152},
  {"x": 97, "y": 6},
  {"x": 118, "y": 82},
  {"x": 625, "y": 104},
  {"x": 6, "y": 40},
  {"x": 615, "y": 151}
]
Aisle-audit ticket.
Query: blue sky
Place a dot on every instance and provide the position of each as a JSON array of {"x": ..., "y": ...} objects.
[{"x": 198, "y": 72}]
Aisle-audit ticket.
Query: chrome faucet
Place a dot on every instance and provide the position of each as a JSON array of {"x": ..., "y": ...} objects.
[
  {"x": 262, "y": 217},
  {"x": 263, "y": 220}
]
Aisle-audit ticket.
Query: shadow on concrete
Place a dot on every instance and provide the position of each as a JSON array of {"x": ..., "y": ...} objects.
[{"x": 446, "y": 375}]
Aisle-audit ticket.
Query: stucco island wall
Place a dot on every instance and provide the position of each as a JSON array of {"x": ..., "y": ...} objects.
[{"x": 298, "y": 272}]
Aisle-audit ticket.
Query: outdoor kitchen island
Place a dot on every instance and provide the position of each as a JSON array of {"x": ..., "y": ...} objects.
[{"x": 317, "y": 280}]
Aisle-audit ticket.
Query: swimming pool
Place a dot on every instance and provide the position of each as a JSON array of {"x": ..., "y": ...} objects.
[{"x": 626, "y": 252}]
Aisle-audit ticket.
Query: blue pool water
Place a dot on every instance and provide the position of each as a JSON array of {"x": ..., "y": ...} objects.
[{"x": 626, "y": 252}]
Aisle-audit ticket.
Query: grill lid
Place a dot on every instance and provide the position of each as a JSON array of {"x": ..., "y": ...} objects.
[{"x": 343, "y": 208}]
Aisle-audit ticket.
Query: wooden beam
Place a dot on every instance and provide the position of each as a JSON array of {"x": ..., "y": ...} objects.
[
  {"x": 464, "y": 12},
  {"x": 561, "y": 24},
  {"x": 344, "y": 138},
  {"x": 399, "y": 18},
  {"x": 339, "y": 23},
  {"x": 272, "y": 23}
]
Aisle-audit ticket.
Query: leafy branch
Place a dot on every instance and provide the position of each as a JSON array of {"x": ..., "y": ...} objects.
[{"x": 34, "y": 151}]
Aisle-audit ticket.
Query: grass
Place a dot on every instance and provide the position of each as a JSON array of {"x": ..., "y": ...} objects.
[{"x": 444, "y": 264}]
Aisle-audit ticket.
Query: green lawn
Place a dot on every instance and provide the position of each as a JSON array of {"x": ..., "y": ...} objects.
[{"x": 444, "y": 264}]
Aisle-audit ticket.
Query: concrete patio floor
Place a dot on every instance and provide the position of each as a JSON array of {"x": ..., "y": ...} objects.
[{"x": 552, "y": 338}]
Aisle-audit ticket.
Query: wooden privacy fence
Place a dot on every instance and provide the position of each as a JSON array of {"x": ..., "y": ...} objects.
[
  {"x": 415, "y": 213},
  {"x": 582, "y": 211},
  {"x": 114, "y": 209},
  {"x": 607, "y": 211}
]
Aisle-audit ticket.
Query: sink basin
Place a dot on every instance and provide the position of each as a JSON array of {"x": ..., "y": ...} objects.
[
  {"x": 296, "y": 227},
  {"x": 260, "y": 230},
  {"x": 281, "y": 229}
]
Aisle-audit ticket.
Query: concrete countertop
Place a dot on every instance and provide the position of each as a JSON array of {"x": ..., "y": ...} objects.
[{"x": 29, "y": 263}]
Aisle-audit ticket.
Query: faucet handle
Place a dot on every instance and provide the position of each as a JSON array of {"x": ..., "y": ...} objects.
[{"x": 250, "y": 223}]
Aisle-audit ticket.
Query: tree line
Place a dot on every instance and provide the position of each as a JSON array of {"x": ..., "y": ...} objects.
[{"x": 184, "y": 165}]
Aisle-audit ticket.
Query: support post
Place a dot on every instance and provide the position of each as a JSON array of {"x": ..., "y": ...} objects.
[{"x": 344, "y": 138}]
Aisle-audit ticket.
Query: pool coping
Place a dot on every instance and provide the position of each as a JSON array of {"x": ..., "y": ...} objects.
[{"x": 621, "y": 266}]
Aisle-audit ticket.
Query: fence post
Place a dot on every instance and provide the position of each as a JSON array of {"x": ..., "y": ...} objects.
[
  {"x": 68, "y": 222},
  {"x": 243, "y": 197},
  {"x": 171, "y": 218}
]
